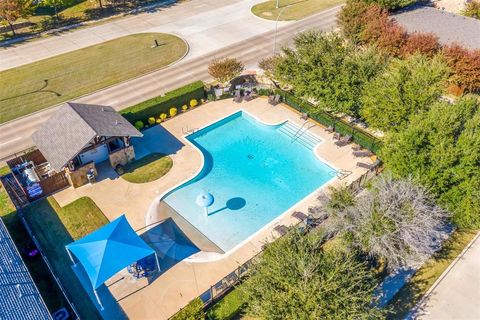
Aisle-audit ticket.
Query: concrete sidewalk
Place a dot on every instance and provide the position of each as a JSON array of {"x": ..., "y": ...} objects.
[
  {"x": 456, "y": 294},
  {"x": 206, "y": 25}
]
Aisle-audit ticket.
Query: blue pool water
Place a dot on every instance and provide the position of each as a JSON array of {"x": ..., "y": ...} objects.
[{"x": 255, "y": 172}]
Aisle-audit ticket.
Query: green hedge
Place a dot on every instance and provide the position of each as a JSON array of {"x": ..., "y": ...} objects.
[
  {"x": 359, "y": 136},
  {"x": 192, "y": 311},
  {"x": 175, "y": 98}
]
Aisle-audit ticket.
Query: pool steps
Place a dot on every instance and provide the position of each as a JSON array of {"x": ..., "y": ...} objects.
[{"x": 299, "y": 135}]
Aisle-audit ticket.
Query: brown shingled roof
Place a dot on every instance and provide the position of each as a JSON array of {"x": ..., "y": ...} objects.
[{"x": 73, "y": 126}]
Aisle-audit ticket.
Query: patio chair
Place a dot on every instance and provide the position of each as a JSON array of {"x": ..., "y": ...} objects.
[
  {"x": 360, "y": 154},
  {"x": 275, "y": 100},
  {"x": 281, "y": 229},
  {"x": 344, "y": 141},
  {"x": 237, "y": 97},
  {"x": 249, "y": 96},
  {"x": 337, "y": 136},
  {"x": 329, "y": 129},
  {"x": 271, "y": 98},
  {"x": 304, "y": 116},
  {"x": 368, "y": 166}
]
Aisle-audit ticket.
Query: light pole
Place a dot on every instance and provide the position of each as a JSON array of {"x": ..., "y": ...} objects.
[{"x": 276, "y": 28}]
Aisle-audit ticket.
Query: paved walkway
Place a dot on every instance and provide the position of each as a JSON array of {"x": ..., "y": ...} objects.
[
  {"x": 15, "y": 135},
  {"x": 190, "y": 278},
  {"x": 207, "y": 25},
  {"x": 456, "y": 294}
]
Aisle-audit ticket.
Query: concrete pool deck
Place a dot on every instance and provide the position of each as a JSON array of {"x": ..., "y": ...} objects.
[{"x": 186, "y": 280}]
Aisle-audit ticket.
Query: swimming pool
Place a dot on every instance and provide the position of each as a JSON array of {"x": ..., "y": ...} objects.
[{"x": 255, "y": 173}]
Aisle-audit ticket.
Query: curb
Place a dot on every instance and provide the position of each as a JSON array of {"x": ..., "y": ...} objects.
[{"x": 110, "y": 86}]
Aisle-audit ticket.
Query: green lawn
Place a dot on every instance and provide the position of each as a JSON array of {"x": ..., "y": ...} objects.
[
  {"x": 298, "y": 10},
  {"x": 229, "y": 307},
  {"x": 56, "y": 227},
  {"x": 148, "y": 168},
  {"x": 44, "y": 83},
  {"x": 426, "y": 276},
  {"x": 47, "y": 286}
]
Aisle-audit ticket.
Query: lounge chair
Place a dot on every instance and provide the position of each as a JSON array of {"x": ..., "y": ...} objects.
[
  {"x": 299, "y": 215},
  {"x": 329, "y": 129},
  {"x": 344, "y": 141},
  {"x": 368, "y": 166},
  {"x": 360, "y": 154},
  {"x": 356, "y": 147},
  {"x": 281, "y": 229}
]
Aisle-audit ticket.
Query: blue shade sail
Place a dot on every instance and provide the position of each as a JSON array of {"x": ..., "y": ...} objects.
[{"x": 106, "y": 251}]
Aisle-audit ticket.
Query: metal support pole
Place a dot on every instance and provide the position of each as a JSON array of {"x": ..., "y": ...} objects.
[
  {"x": 276, "y": 28},
  {"x": 158, "y": 263},
  {"x": 206, "y": 211},
  {"x": 70, "y": 255},
  {"x": 98, "y": 299}
]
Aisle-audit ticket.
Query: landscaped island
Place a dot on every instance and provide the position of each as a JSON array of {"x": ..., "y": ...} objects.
[{"x": 48, "y": 82}]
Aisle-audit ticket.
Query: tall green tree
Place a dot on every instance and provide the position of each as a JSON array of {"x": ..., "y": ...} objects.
[
  {"x": 440, "y": 147},
  {"x": 56, "y": 5},
  {"x": 326, "y": 69},
  {"x": 351, "y": 19},
  {"x": 12, "y": 10},
  {"x": 295, "y": 278},
  {"x": 406, "y": 88}
]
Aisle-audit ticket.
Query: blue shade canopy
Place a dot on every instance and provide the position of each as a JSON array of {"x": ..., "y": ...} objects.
[
  {"x": 204, "y": 200},
  {"x": 106, "y": 251}
]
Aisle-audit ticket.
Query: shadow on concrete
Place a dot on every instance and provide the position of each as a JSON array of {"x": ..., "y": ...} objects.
[
  {"x": 156, "y": 139},
  {"x": 170, "y": 244}
]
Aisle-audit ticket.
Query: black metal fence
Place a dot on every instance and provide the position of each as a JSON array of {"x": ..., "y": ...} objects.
[{"x": 224, "y": 285}]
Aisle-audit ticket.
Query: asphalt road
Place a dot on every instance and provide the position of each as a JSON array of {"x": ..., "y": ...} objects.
[{"x": 15, "y": 136}]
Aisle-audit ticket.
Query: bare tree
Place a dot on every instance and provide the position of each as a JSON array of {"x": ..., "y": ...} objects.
[
  {"x": 11, "y": 10},
  {"x": 224, "y": 70},
  {"x": 268, "y": 65},
  {"x": 395, "y": 220}
]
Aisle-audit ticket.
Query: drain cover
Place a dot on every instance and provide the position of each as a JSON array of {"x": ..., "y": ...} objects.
[{"x": 251, "y": 156}]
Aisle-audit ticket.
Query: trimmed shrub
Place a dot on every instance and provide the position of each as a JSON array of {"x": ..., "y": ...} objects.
[
  {"x": 151, "y": 120},
  {"x": 192, "y": 311},
  {"x": 360, "y": 137},
  {"x": 159, "y": 120},
  {"x": 172, "y": 112},
  {"x": 162, "y": 104},
  {"x": 193, "y": 103},
  {"x": 139, "y": 125},
  {"x": 184, "y": 108},
  {"x": 163, "y": 116}
]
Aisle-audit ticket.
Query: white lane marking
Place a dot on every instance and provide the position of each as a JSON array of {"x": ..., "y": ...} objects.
[{"x": 10, "y": 141}]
